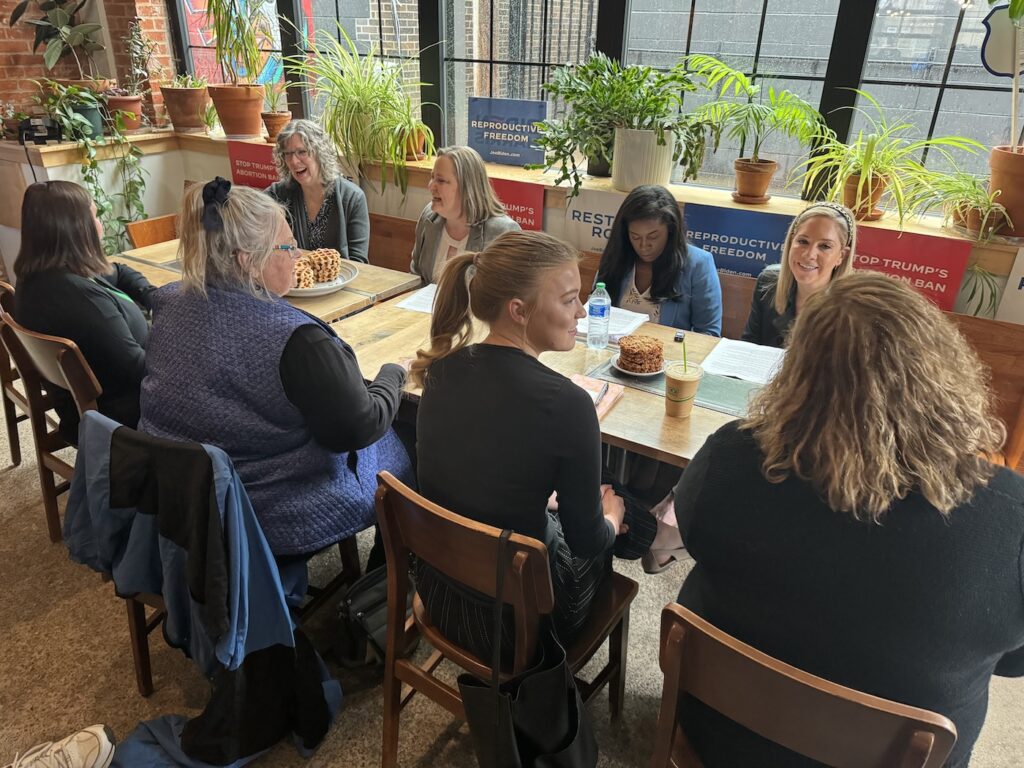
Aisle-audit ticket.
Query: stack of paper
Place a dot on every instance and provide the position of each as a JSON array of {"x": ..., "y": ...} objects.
[
  {"x": 420, "y": 301},
  {"x": 622, "y": 323},
  {"x": 742, "y": 360}
]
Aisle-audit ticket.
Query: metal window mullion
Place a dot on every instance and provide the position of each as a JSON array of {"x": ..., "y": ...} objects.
[
  {"x": 612, "y": 28},
  {"x": 289, "y": 11},
  {"x": 432, "y": 75},
  {"x": 945, "y": 79}
]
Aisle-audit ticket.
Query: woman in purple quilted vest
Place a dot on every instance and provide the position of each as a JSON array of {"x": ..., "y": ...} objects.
[{"x": 232, "y": 364}]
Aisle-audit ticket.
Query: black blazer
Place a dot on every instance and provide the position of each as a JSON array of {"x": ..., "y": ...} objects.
[{"x": 765, "y": 326}]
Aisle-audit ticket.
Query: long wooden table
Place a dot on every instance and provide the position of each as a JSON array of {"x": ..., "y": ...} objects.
[
  {"x": 386, "y": 334},
  {"x": 373, "y": 284}
]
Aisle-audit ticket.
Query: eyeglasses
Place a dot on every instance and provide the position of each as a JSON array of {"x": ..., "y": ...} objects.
[
  {"x": 293, "y": 251},
  {"x": 301, "y": 154}
]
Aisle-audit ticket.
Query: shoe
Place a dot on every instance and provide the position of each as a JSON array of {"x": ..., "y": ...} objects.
[
  {"x": 650, "y": 559},
  {"x": 91, "y": 747}
]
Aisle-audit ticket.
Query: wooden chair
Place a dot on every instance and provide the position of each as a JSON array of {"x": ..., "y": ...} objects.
[
  {"x": 391, "y": 241},
  {"x": 1001, "y": 347},
  {"x": 589, "y": 262},
  {"x": 157, "y": 229},
  {"x": 39, "y": 359},
  {"x": 806, "y": 714},
  {"x": 737, "y": 294},
  {"x": 14, "y": 401},
  {"x": 467, "y": 551}
]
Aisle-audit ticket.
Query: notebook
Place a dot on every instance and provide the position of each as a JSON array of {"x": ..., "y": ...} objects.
[{"x": 608, "y": 392}]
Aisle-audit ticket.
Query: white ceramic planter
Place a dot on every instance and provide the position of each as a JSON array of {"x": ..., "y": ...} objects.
[{"x": 639, "y": 159}]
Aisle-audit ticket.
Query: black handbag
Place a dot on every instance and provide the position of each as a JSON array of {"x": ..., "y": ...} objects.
[{"x": 536, "y": 719}]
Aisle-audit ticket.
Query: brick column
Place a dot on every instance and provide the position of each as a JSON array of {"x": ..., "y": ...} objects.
[
  {"x": 153, "y": 13},
  {"x": 19, "y": 65}
]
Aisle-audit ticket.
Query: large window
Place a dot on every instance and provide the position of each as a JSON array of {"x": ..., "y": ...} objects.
[{"x": 200, "y": 44}]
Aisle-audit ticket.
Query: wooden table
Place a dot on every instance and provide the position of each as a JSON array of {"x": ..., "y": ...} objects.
[
  {"x": 159, "y": 264},
  {"x": 385, "y": 334}
]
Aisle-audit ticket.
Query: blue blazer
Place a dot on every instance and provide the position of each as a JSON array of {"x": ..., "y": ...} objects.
[{"x": 699, "y": 305}]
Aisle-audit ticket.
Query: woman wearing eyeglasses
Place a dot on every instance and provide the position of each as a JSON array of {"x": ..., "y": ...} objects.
[
  {"x": 324, "y": 208},
  {"x": 233, "y": 364}
]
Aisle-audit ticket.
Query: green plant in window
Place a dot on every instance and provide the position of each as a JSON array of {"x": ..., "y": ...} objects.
[
  {"x": 275, "y": 95},
  {"x": 187, "y": 81},
  {"x": 237, "y": 26},
  {"x": 965, "y": 201},
  {"x": 209, "y": 117}
]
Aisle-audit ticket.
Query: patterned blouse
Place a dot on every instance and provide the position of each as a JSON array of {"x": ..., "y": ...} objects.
[{"x": 318, "y": 228}]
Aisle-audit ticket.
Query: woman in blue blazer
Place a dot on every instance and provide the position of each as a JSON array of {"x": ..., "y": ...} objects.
[{"x": 648, "y": 266}]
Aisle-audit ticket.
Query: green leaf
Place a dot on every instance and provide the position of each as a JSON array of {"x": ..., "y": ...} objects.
[
  {"x": 52, "y": 53},
  {"x": 19, "y": 11}
]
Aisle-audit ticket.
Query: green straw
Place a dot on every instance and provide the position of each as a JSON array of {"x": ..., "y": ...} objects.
[{"x": 685, "y": 366}]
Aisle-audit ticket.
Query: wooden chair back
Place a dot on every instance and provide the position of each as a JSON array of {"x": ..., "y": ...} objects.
[
  {"x": 15, "y": 404},
  {"x": 1001, "y": 347},
  {"x": 391, "y": 241},
  {"x": 737, "y": 295},
  {"x": 156, "y": 229},
  {"x": 806, "y": 714},
  {"x": 589, "y": 262},
  {"x": 38, "y": 359}
]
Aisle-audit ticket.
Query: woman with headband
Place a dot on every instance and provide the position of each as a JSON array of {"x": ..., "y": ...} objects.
[
  {"x": 820, "y": 246},
  {"x": 232, "y": 364}
]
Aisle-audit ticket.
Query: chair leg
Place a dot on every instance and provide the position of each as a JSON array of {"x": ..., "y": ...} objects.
[
  {"x": 140, "y": 645},
  {"x": 618, "y": 644},
  {"x": 48, "y": 486},
  {"x": 392, "y": 711},
  {"x": 11, "y": 419},
  {"x": 348, "y": 549}
]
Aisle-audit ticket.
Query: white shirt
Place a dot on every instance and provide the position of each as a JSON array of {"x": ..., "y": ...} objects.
[
  {"x": 635, "y": 301},
  {"x": 447, "y": 248}
]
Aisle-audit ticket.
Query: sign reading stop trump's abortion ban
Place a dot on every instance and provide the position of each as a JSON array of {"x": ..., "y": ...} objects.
[{"x": 934, "y": 266}]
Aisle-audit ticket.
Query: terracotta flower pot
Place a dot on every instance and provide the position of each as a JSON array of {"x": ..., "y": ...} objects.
[
  {"x": 130, "y": 106},
  {"x": 970, "y": 220},
  {"x": 185, "y": 107},
  {"x": 1008, "y": 176},
  {"x": 415, "y": 144},
  {"x": 865, "y": 209},
  {"x": 239, "y": 107},
  {"x": 275, "y": 121},
  {"x": 753, "y": 178}
]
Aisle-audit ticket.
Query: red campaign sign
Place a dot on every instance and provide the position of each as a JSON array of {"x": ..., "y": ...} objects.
[
  {"x": 934, "y": 266},
  {"x": 252, "y": 164},
  {"x": 524, "y": 202}
]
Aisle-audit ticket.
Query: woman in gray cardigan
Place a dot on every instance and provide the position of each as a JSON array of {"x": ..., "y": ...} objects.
[
  {"x": 325, "y": 210},
  {"x": 464, "y": 214}
]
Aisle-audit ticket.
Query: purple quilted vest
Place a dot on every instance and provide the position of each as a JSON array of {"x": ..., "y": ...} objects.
[{"x": 212, "y": 376}]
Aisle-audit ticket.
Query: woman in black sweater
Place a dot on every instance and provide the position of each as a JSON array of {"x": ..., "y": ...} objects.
[
  {"x": 66, "y": 287},
  {"x": 499, "y": 432},
  {"x": 851, "y": 527}
]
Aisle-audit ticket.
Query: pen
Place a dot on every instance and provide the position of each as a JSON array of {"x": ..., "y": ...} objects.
[{"x": 600, "y": 394}]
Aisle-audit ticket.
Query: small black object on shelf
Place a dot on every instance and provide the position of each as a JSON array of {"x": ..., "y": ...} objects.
[
  {"x": 38, "y": 130},
  {"x": 679, "y": 336}
]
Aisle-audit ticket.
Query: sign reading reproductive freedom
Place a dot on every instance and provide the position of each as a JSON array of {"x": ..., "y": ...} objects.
[
  {"x": 502, "y": 130},
  {"x": 934, "y": 266},
  {"x": 252, "y": 164},
  {"x": 742, "y": 242},
  {"x": 524, "y": 202}
]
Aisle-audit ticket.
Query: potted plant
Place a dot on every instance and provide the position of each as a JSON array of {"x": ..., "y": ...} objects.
[
  {"x": 1007, "y": 162},
  {"x": 651, "y": 130},
  {"x": 753, "y": 118},
  {"x": 59, "y": 30},
  {"x": 12, "y": 118},
  {"x": 365, "y": 104},
  {"x": 883, "y": 159},
  {"x": 277, "y": 114},
  {"x": 410, "y": 133},
  {"x": 77, "y": 110},
  {"x": 209, "y": 119},
  {"x": 186, "y": 98},
  {"x": 127, "y": 99},
  {"x": 237, "y": 32},
  {"x": 967, "y": 203},
  {"x": 587, "y": 128}
]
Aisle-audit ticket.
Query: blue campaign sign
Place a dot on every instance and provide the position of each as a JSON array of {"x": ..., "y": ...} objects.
[
  {"x": 502, "y": 130},
  {"x": 742, "y": 241}
]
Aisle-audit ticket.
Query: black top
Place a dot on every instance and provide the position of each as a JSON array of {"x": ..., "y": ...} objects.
[
  {"x": 764, "y": 325},
  {"x": 920, "y": 609},
  {"x": 102, "y": 316},
  {"x": 321, "y": 378},
  {"x": 498, "y": 431}
]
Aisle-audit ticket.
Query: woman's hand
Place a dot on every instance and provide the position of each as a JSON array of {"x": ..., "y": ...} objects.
[
  {"x": 406, "y": 363},
  {"x": 614, "y": 509}
]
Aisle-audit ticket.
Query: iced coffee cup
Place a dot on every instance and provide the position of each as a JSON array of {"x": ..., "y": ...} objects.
[{"x": 681, "y": 382}]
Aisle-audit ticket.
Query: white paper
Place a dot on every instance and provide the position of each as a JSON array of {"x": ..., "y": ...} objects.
[
  {"x": 420, "y": 301},
  {"x": 622, "y": 323},
  {"x": 743, "y": 360}
]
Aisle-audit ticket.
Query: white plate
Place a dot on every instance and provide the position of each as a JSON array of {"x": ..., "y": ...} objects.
[
  {"x": 347, "y": 274},
  {"x": 615, "y": 365}
]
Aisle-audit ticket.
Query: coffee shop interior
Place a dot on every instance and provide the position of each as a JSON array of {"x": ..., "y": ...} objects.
[{"x": 305, "y": 302}]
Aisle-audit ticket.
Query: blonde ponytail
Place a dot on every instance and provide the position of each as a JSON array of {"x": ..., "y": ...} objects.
[{"x": 451, "y": 326}]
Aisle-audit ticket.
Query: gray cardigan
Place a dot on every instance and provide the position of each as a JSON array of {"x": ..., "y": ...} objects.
[
  {"x": 428, "y": 235},
  {"x": 353, "y": 219}
]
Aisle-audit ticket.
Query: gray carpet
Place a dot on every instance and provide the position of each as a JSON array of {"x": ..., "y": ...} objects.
[{"x": 65, "y": 663}]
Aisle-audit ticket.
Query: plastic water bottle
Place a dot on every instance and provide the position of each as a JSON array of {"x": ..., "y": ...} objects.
[{"x": 599, "y": 315}]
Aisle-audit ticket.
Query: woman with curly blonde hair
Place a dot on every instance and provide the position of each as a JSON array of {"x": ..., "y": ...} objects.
[{"x": 851, "y": 525}]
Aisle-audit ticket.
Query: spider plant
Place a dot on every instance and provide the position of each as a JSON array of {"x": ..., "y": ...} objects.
[
  {"x": 275, "y": 95},
  {"x": 965, "y": 200},
  {"x": 882, "y": 159},
  {"x": 979, "y": 292}
]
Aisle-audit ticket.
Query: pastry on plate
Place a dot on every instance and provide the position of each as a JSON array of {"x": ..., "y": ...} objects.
[{"x": 641, "y": 354}]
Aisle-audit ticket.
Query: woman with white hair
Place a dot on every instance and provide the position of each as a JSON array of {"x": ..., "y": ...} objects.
[
  {"x": 463, "y": 216},
  {"x": 325, "y": 209},
  {"x": 234, "y": 365}
]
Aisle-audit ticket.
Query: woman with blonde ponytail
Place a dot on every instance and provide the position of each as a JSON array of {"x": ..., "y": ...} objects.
[{"x": 499, "y": 432}]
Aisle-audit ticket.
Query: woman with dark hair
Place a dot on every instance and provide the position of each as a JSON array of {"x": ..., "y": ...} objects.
[
  {"x": 66, "y": 287},
  {"x": 649, "y": 267},
  {"x": 325, "y": 209},
  {"x": 852, "y": 525}
]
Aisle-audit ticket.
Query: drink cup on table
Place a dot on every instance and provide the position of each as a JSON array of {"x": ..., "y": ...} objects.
[{"x": 681, "y": 382}]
